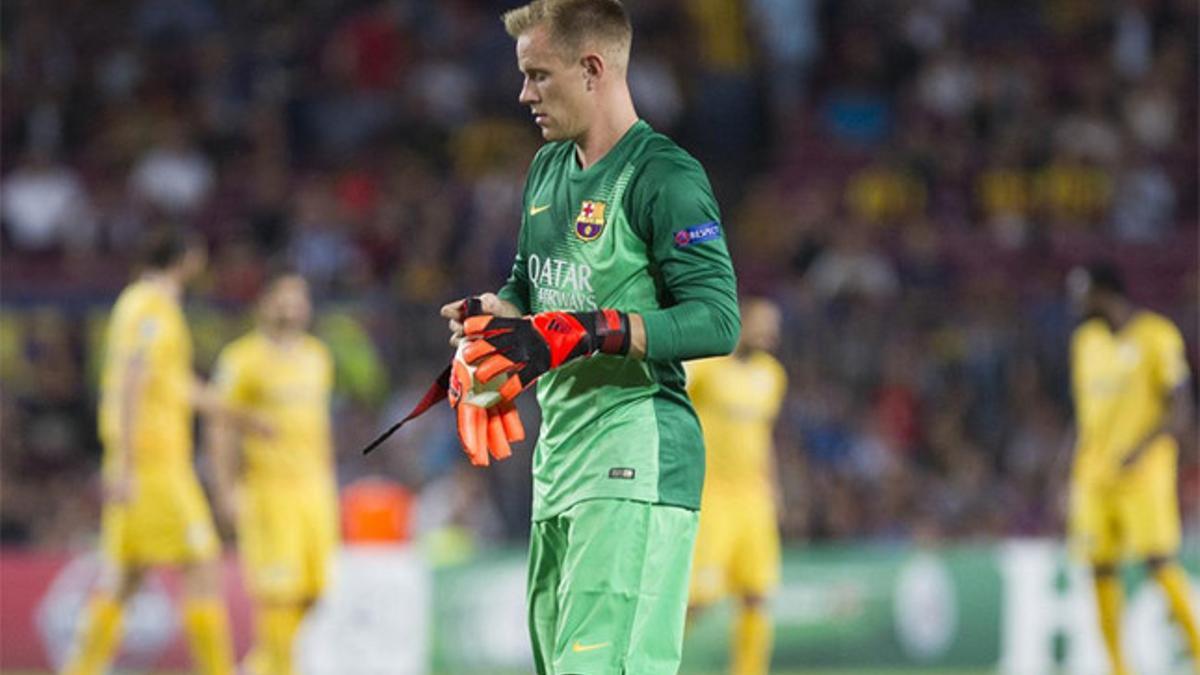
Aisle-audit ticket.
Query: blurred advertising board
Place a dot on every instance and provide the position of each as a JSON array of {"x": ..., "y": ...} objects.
[
  {"x": 374, "y": 622},
  {"x": 1019, "y": 607}
]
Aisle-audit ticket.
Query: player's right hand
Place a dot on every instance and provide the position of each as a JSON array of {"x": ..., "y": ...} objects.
[
  {"x": 489, "y": 303},
  {"x": 481, "y": 431}
]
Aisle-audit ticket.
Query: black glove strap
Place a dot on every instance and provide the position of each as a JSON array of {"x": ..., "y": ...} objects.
[{"x": 608, "y": 330}]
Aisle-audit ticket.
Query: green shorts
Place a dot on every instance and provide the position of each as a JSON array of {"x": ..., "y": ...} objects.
[{"x": 608, "y": 588}]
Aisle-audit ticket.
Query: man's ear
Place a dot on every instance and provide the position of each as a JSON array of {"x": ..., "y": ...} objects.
[{"x": 593, "y": 68}]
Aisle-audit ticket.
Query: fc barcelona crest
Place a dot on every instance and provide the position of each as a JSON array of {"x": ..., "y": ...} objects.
[{"x": 590, "y": 221}]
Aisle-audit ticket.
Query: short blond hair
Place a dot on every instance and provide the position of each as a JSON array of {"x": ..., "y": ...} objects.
[{"x": 576, "y": 24}]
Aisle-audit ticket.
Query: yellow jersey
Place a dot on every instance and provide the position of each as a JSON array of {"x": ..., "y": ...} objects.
[
  {"x": 737, "y": 401},
  {"x": 1121, "y": 383},
  {"x": 147, "y": 323},
  {"x": 288, "y": 386}
]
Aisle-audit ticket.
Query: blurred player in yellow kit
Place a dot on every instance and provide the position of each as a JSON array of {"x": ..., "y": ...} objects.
[
  {"x": 155, "y": 513},
  {"x": 1130, "y": 383},
  {"x": 283, "y": 500},
  {"x": 737, "y": 547}
]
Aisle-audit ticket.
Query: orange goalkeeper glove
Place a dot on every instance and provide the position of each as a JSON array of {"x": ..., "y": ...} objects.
[
  {"x": 487, "y": 423},
  {"x": 527, "y": 348}
]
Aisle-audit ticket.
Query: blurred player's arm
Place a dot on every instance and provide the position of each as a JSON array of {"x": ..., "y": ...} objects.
[
  {"x": 1177, "y": 422},
  {"x": 230, "y": 415},
  {"x": 1170, "y": 370},
  {"x": 208, "y": 399},
  {"x": 223, "y": 440},
  {"x": 119, "y": 486},
  {"x": 773, "y": 475}
]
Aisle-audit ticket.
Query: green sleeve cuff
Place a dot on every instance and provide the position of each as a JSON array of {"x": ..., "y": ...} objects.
[{"x": 691, "y": 330}]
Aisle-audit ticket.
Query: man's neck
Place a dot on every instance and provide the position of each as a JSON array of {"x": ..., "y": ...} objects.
[
  {"x": 1118, "y": 315},
  {"x": 605, "y": 132},
  {"x": 165, "y": 281},
  {"x": 280, "y": 337}
]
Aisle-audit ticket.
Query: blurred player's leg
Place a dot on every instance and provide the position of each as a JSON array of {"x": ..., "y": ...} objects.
[
  {"x": 206, "y": 621},
  {"x": 98, "y": 637},
  {"x": 1174, "y": 582},
  {"x": 288, "y": 540},
  {"x": 100, "y": 634},
  {"x": 276, "y": 636},
  {"x": 1110, "y": 596},
  {"x": 755, "y": 573},
  {"x": 751, "y": 638}
]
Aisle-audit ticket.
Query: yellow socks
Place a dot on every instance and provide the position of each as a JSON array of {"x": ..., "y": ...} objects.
[
  {"x": 751, "y": 641},
  {"x": 277, "y": 627},
  {"x": 207, "y": 627},
  {"x": 1109, "y": 598},
  {"x": 98, "y": 638},
  {"x": 1174, "y": 583}
]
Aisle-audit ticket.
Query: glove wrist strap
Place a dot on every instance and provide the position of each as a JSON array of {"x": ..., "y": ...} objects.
[{"x": 610, "y": 332}]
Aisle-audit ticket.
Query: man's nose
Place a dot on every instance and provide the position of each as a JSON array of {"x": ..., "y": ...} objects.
[{"x": 528, "y": 94}]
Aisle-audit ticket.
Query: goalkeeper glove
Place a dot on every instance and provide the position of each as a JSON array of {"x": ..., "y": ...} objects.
[
  {"x": 483, "y": 429},
  {"x": 528, "y": 347}
]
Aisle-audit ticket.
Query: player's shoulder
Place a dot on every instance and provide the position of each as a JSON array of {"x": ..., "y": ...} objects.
[
  {"x": 661, "y": 156},
  {"x": 1089, "y": 330},
  {"x": 701, "y": 368},
  {"x": 317, "y": 347},
  {"x": 243, "y": 349},
  {"x": 1153, "y": 324},
  {"x": 136, "y": 297},
  {"x": 137, "y": 304},
  {"x": 767, "y": 361}
]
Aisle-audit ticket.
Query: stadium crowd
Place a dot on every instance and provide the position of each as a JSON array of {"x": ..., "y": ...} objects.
[{"x": 909, "y": 180}]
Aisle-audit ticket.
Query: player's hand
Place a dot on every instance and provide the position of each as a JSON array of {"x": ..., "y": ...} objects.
[
  {"x": 120, "y": 490},
  {"x": 489, "y": 303},
  {"x": 486, "y": 432},
  {"x": 528, "y": 347},
  {"x": 482, "y": 431}
]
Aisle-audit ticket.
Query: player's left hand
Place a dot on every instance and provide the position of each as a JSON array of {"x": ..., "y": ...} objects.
[
  {"x": 529, "y": 347},
  {"x": 487, "y": 303}
]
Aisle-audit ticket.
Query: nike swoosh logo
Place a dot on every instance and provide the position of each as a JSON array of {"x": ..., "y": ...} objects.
[
  {"x": 587, "y": 648},
  {"x": 534, "y": 210}
]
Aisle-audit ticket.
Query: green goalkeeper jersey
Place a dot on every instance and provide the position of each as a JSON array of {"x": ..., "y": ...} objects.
[{"x": 639, "y": 231}]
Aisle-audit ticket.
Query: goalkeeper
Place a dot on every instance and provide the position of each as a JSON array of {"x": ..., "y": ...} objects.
[{"x": 621, "y": 274}]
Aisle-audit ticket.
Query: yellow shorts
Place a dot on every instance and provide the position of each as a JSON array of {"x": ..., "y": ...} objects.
[
  {"x": 1137, "y": 517},
  {"x": 287, "y": 535},
  {"x": 167, "y": 522},
  {"x": 737, "y": 547}
]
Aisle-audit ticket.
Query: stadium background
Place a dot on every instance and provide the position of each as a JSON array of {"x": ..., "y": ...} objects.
[{"x": 909, "y": 180}]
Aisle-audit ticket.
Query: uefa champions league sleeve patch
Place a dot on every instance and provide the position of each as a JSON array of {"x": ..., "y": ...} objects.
[{"x": 698, "y": 234}]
